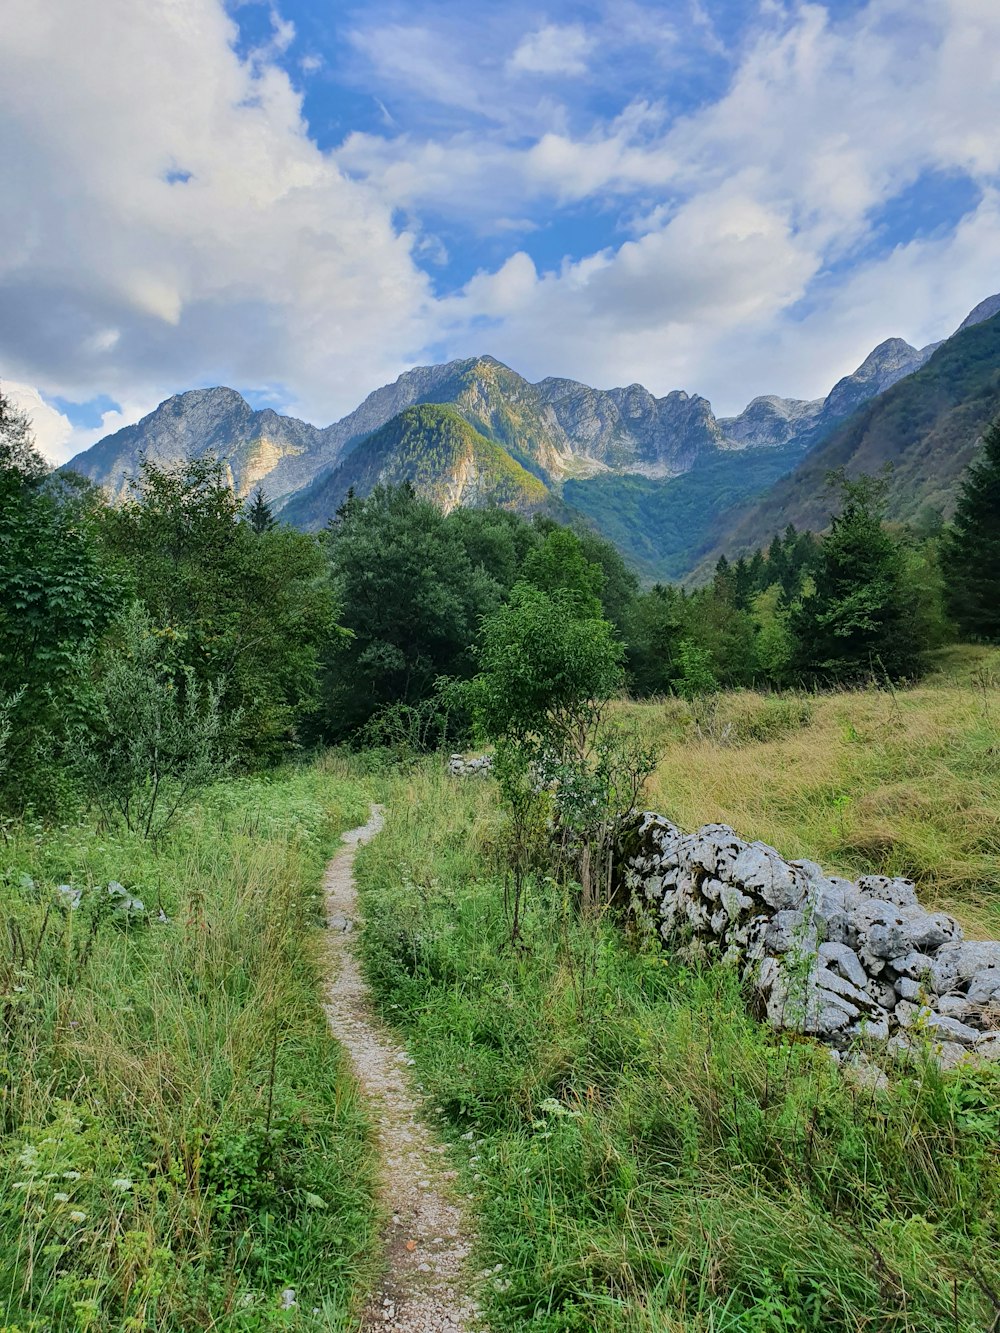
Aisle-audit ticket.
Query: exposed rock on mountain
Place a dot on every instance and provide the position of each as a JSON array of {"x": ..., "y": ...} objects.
[
  {"x": 436, "y": 450},
  {"x": 252, "y": 445},
  {"x": 661, "y": 476},
  {"x": 888, "y": 363},
  {"x": 983, "y": 311},
  {"x": 771, "y": 421}
]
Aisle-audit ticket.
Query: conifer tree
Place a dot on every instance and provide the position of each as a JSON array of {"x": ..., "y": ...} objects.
[
  {"x": 862, "y": 619},
  {"x": 971, "y": 550},
  {"x": 259, "y": 514}
]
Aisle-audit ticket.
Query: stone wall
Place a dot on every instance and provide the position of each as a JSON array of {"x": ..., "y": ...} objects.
[{"x": 834, "y": 958}]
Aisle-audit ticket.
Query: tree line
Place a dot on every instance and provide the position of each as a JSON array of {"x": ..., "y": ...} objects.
[{"x": 146, "y": 644}]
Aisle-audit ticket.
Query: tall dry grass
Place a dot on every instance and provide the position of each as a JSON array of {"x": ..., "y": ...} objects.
[{"x": 900, "y": 782}]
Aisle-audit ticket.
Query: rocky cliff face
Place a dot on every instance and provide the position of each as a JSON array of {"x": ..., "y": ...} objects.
[
  {"x": 557, "y": 428},
  {"x": 253, "y": 446},
  {"x": 889, "y": 362}
]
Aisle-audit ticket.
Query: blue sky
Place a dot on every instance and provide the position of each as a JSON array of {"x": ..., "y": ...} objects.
[{"x": 304, "y": 198}]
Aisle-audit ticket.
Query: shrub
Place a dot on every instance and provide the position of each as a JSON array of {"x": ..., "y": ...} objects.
[{"x": 151, "y": 735}]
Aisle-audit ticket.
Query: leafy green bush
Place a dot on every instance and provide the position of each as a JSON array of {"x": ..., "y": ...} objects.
[{"x": 151, "y": 736}]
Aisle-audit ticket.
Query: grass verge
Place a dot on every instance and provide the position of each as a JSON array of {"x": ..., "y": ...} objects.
[
  {"x": 646, "y": 1156},
  {"x": 180, "y": 1139}
]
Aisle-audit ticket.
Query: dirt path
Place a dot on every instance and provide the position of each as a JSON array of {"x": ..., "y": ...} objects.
[{"x": 427, "y": 1240}]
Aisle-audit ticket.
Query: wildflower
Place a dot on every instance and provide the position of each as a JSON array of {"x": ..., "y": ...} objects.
[
  {"x": 122, "y": 1183},
  {"x": 71, "y": 1175},
  {"x": 61, "y": 1198},
  {"x": 77, "y": 1216}
]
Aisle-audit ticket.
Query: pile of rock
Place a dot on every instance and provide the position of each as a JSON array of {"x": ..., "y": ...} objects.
[
  {"x": 460, "y": 767},
  {"x": 834, "y": 958}
]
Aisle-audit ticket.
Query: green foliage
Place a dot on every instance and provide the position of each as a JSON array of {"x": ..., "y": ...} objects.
[
  {"x": 150, "y": 735},
  {"x": 695, "y": 671},
  {"x": 664, "y": 525},
  {"x": 425, "y": 446},
  {"x": 971, "y": 554},
  {"x": 259, "y": 514},
  {"x": 546, "y": 672},
  {"x": 20, "y": 462},
  {"x": 548, "y": 669},
  {"x": 861, "y": 620},
  {"x": 645, "y": 1155},
  {"x": 558, "y": 565},
  {"x": 54, "y": 596},
  {"x": 251, "y": 612},
  {"x": 411, "y": 600},
  {"x": 153, "y": 1173},
  {"x": 926, "y": 427}
]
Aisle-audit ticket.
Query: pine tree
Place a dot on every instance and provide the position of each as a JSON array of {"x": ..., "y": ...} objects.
[
  {"x": 259, "y": 514},
  {"x": 862, "y": 619},
  {"x": 722, "y": 583},
  {"x": 742, "y": 584},
  {"x": 971, "y": 551}
]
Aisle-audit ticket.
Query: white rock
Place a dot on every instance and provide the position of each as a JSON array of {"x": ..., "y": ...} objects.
[
  {"x": 761, "y": 872},
  {"x": 901, "y": 892},
  {"x": 839, "y": 958},
  {"x": 985, "y": 986}
]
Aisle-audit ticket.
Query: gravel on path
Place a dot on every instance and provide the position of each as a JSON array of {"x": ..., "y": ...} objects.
[{"x": 425, "y": 1288}]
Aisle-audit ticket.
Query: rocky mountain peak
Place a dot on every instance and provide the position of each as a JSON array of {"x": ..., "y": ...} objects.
[{"x": 984, "y": 310}]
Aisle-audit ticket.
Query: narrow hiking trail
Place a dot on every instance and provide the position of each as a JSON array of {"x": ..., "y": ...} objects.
[{"x": 425, "y": 1288}]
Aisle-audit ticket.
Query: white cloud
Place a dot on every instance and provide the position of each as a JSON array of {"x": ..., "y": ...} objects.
[
  {"x": 272, "y": 263},
  {"x": 553, "y": 49},
  {"x": 52, "y": 431},
  {"x": 267, "y": 265}
]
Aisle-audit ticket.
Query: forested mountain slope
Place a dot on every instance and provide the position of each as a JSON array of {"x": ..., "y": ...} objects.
[
  {"x": 925, "y": 429},
  {"x": 435, "y": 449}
]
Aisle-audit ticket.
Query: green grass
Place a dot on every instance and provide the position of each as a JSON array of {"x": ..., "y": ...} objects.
[
  {"x": 645, "y": 1155},
  {"x": 903, "y": 783},
  {"x": 180, "y": 1138}
]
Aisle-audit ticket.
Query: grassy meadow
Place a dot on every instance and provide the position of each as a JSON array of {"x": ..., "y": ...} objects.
[
  {"x": 644, "y": 1154},
  {"x": 903, "y": 782},
  {"x": 180, "y": 1138}
]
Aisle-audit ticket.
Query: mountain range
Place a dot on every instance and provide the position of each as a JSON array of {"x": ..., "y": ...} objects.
[{"x": 664, "y": 478}]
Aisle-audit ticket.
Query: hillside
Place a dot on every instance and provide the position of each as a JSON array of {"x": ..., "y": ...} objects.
[
  {"x": 924, "y": 428},
  {"x": 435, "y": 449}
]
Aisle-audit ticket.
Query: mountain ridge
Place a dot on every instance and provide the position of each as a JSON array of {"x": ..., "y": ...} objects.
[{"x": 690, "y": 470}]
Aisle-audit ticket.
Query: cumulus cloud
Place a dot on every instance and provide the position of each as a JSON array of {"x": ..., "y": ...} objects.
[
  {"x": 553, "y": 49},
  {"x": 167, "y": 219},
  {"x": 752, "y": 276},
  {"x": 52, "y": 431}
]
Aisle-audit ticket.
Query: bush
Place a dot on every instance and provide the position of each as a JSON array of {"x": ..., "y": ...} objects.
[{"x": 151, "y": 736}]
